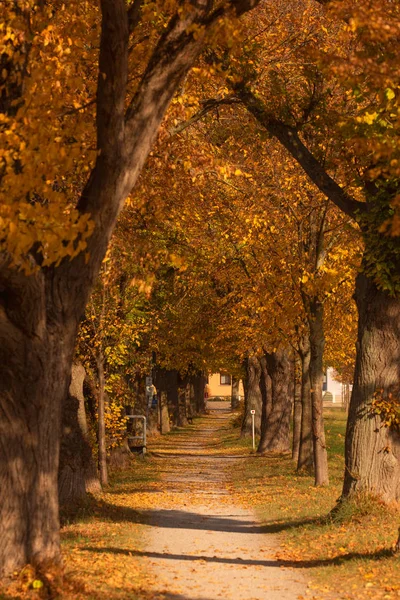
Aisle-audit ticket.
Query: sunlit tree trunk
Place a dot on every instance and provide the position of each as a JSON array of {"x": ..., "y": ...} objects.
[
  {"x": 305, "y": 459},
  {"x": 373, "y": 451},
  {"x": 317, "y": 344},
  {"x": 164, "y": 412}
]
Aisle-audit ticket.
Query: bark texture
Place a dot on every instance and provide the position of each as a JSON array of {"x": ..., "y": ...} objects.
[
  {"x": 164, "y": 413},
  {"x": 252, "y": 397},
  {"x": 235, "y": 393},
  {"x": 373, "y": 451},
  {"x": 317, "y": 344},
  {"x": 266, "y": 395},
  {"x": 33, "y": 384},
  {"x": 305, "y": 460},
  {"x": 297, "y": 411},
  {"x": 199, "y": 384},
  {"x": 77, "y": 472},
  {"x": 277, "y": 429}
]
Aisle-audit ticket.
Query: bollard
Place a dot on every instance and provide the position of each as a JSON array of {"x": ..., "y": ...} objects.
[{"x": 253, "y": 428}]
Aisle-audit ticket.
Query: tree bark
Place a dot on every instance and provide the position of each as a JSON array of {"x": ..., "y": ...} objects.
[
  {"x": 235, "y": 393},
  {"x": 305, "y": 460},
  {"x": 182, "y": 403},
  {"x": 317, "y": 344},
  {"x": 252, "y": 398},
  {"x": 173, "y": 395},
  {"x": 372, "y": 451},
  {"x": 77, "y": 472},
  {"x": 164, "y": 413},
  {"x": 277, "y": 429},
  {"x": 199, "y": 383},
  {"x": 101, "y": 422},
  {"x": 297, "y": 410},
  {"x": 266, "y": 395},
  {"x": 34, "y": 381}
]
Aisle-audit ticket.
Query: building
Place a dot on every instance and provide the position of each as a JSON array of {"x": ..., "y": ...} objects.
[
  {"x": 335, "y": 392},
  {"x": 220, "y": 386}
]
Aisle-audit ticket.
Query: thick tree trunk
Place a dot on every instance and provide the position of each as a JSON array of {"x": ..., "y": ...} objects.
[
  {"x": 297, "y": 410},
  {"x": 101, "y": 422},
  {"x": 305, "y": 460},
  {"x": 252, "y": 398},
  {"x": 373, "y": 451},
  {"x": 317, "y": 344},
  {"x": 36, "y": 367},
  {"x": 77, "y": 472},
  {"x": 277, "y": 429}
]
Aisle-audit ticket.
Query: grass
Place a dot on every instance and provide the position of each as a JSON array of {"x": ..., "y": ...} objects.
[{"x": 349, "y": 552}]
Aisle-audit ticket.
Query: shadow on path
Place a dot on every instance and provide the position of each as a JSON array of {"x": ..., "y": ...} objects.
[
  {"x": 180, "y": 519},
  {"x": 299, "y": 564}
]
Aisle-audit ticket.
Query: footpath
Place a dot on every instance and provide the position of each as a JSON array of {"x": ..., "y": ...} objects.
[{"x": 207, "y": 547}]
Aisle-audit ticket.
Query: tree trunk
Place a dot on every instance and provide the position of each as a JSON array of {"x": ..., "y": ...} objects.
[
  {"x": 305, "y": 460},
  {"x": 77, "y": 472},
  {"x": 164, "y": 413},
  {"x": 252, "y": 399},
  {"x": 36, "y": 368},
  {"x": 182, "y": 402},
  {"x": 317, "y": 344},
  {"x": 277, "y": 428},
  {"x": 235, "y": 393},
  {"x": 101, "y": 422},
  {"x": 266, "y": 395},
  {"x": 297, "y": 410},
  {"x": 373, "y": 451},
  {"x": 199, "y": 383}
]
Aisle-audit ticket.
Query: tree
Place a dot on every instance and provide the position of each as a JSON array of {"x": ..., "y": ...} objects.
[
  {"x": 43, "y": 301},
  {"x": 372, "y": 452}
]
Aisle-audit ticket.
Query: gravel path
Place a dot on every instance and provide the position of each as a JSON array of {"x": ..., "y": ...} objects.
[{"x": 207, "y": 547}]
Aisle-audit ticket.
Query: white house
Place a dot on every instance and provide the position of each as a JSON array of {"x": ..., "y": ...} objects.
[{"x": 340, "y": 391}]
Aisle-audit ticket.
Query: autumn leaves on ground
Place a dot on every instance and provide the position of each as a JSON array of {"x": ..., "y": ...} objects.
[{"x": 202, "y": 517}]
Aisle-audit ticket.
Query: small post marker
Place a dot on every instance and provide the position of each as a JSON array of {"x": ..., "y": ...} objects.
[{"x": 253, "y": 430}]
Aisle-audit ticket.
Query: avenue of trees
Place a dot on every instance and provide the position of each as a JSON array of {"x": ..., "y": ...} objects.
[{"x": 188, "y": 188}]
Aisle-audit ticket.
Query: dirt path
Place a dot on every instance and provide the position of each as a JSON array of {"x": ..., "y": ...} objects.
[{"x": 206, "y": 547}]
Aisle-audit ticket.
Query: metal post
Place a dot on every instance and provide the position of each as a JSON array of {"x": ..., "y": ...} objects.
[{"x": 253, "y": 428}]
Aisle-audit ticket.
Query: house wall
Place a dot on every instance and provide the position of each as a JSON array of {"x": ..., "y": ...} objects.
[
  {"x": 333, "y": 386},
  {"x": 216, "y": 389}
]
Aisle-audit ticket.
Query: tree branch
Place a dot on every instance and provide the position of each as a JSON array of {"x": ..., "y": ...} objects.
[
  {"x": 208, "y": 106},
  {"x": 113, "y": 74},
  {"x": 134, "y": 14},
  {"x": 289, "y": 137}
]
